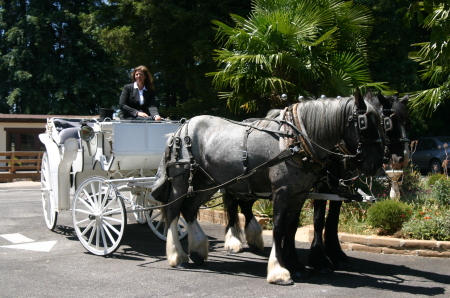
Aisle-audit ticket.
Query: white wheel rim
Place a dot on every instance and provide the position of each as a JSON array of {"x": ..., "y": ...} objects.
[
  {"x": 99, "y": 216},
  {"x": 157, "y": 224},
  {"x": 48, "y": 199}
]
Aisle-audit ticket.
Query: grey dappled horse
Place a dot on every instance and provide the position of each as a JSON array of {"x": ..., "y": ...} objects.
[{"x": 279, "y": 156}]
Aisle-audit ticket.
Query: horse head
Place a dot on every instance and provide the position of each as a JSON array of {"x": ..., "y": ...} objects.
[
  {"x": 396, "y": 122},
  {"x": 364, "y": 134}
]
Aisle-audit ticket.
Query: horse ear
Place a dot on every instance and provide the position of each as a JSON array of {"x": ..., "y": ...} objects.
[
  {"x": 383, "y": 100},
  {"x": 405, "y": 99},
  {"x": 359, "y": 99}
]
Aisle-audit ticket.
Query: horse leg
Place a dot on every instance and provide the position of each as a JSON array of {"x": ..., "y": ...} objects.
[
  {"x": 174, "y": 251},
  {"x": 276, "y": 269},
  {"x": 332, "y": 246},
  {"x": 253, "y": 230},
  {"x": 233, "y": 234},
  {"x": 198, "y": 243},
  {"x": 317, "y": 258},
  {"x": 290, "y": 256}
]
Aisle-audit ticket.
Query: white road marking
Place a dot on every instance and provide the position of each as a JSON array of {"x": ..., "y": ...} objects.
[
  {"x": 16, "y": 238},
  {"x": 45, "y": 246}
]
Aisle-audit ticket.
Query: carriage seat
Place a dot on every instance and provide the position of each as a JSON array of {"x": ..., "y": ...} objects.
[
  {"x": 68, "y": 129},
  {"x": 71, "y": 132}
]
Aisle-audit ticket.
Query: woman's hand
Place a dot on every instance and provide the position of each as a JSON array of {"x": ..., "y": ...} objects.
[
  {"x": 141, "y": 114},
  {"x": 158, "y": 118}
]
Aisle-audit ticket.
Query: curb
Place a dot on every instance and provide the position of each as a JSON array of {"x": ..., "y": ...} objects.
[{"x": 372, "y": 244}]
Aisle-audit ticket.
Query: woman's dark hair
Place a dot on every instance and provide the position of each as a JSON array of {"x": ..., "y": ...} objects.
[{"x": 148, "y": 82}]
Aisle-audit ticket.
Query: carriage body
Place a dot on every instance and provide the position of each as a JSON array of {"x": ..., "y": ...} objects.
[{"x": 118, "y": 163}]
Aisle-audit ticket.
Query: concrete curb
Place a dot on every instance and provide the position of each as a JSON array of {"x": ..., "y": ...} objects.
[{"x": 373, "y": 244}]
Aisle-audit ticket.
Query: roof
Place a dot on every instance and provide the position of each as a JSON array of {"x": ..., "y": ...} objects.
[{"x": 36, "y": 118}]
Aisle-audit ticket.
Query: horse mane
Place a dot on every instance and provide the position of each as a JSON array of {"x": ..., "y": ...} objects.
[{"x": 325, "y": 117}]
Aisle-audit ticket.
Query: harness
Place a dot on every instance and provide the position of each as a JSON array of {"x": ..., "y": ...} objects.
[{"x": 298, "y": 148}]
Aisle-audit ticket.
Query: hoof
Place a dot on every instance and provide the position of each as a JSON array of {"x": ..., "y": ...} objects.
[
  {"x": 197, "y": 259},
  {"x": 289, "y": 282},
  {"x": 183, "y": 265}
]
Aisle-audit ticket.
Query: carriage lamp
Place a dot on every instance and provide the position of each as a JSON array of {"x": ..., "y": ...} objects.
[{"x": 86, "y": 133}]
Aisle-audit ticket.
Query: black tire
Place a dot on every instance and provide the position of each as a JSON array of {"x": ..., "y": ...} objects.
[{"x": 435, "y": 166}]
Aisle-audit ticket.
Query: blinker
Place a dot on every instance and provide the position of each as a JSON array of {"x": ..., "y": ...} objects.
[
  {"x": 387, "y": 123},
  {"x": 362, "y": 122}
]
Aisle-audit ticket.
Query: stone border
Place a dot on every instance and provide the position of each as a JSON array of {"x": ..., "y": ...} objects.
[
  {"x": 373, "y": 244},
  {"x": 388, "y": 245}
]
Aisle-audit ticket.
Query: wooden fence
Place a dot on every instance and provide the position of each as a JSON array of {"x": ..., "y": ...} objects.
[{"x": 20, "y": 164}]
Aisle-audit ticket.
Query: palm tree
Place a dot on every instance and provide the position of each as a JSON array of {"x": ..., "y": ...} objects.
[
  {"x": 434, "y": 55},
  {"x": 297, "y": 47}
]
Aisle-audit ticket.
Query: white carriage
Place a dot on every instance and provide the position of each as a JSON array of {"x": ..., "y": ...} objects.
[{"x": 102, "y": 171}]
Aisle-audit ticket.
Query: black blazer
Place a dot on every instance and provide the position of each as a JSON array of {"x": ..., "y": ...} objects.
[{"x": 130, "y": 106}]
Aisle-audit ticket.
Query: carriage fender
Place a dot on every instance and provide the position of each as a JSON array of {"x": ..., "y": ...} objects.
[
  {"x": 68, "y": 156},
  {"x": 59, "y": 167}
]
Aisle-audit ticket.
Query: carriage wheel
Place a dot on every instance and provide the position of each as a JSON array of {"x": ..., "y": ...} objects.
[
  {"x": 48, "y": 198},
  {"x": 99, "y": 216},
  {"x": 157, "y": 223}
]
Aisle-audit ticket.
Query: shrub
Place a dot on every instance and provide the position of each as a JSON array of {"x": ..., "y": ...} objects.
[
  {"x": 434, "y": 227},
  {"x": 410, "y": 181},
  {"x": 388, "y": 215},
  {"x": 432, "y": 179},
  {"x": 441, "y": 191}
]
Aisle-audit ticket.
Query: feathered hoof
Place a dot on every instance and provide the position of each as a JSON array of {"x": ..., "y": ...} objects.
[
  {"x": 196, "y": 258},
  {"x": 184, "y": 265},
  {"x": 280, "y": 282}
]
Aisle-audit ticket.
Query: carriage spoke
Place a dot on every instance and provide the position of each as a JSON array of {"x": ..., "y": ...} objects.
[
  {"x": 99, "y": 217},
  {"x": 91, "y": 224},
  {"x": 112, "y": 227},
  {"x": 108, "y": 233},
  {"x": 116, "y": 220}
]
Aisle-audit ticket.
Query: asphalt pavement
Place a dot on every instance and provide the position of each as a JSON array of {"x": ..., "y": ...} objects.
[{"x": 36, "y": 262}]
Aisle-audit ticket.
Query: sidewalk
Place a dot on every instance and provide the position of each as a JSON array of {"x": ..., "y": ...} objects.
[{"x": 373, "y": 244}]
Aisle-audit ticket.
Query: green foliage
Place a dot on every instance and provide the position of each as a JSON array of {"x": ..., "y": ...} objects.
[
  {"x": 433, "y": 55},
  {"x": 388, "y": 215},
  {"x": 433, "y": 178},
  {"x": 441, "y": 191},
  {"x": 410, "y": 182},
  {"x": 433, "y": 227},
  {"x": 293, "y": 47},
  {"x": 263, "y": 208}
]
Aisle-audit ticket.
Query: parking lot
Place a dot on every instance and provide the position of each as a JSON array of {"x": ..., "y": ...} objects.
[{"x": 36, "y": 262}]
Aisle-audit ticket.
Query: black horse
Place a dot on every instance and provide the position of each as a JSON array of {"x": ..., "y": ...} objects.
[
  {"x": 280, "y": 156},
  {"x": 326, "y": 253}
]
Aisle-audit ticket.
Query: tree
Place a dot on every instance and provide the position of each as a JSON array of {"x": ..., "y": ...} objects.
[
  {"x": 304, "y": 48},
  {"x": 433, "y": 55},
  {"x": 48, "y": 65},
  {"x": 174, "y": 39}
]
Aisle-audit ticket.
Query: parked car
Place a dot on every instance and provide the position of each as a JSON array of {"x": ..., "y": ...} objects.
[{"x": 430, "y": 152}]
